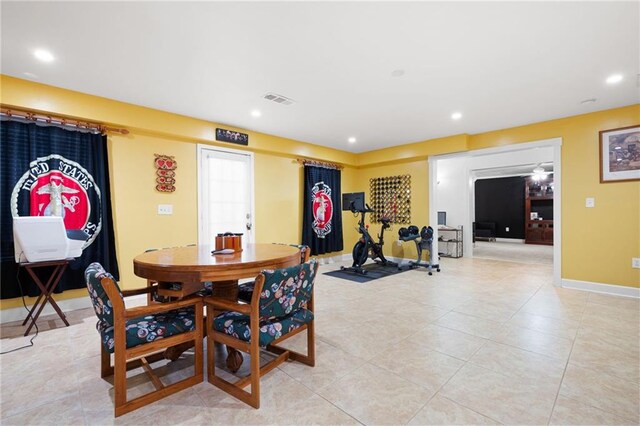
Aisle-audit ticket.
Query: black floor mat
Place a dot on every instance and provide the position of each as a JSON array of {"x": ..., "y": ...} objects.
[{"x": 374, "y": 271}]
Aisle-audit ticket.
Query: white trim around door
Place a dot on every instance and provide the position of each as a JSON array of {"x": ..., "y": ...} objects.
[
  {"x": 202, "y": 151},
  {"x": 556, "y": 143}
]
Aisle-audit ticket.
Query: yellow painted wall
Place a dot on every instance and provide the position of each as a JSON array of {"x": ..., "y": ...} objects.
[
  {"x": 278, "y": 177},
  {"x": 351, "y": 182},
  {"x": 134, "y": 199},
  {"x": 409, "y": 159},
  {"x": 145, "y": 121},
  {"x": 278, "y": 181},
  {"x": 419, "y": 172},
  {"x": 413, "y": 151},
  {"x": 597, "y": 243}
]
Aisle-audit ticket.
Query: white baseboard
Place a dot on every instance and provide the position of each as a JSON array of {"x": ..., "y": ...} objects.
[
  {"x": 333, "y": 259},
  {"x": 347, "y": 258},
  {"x": 509, "y": 240},
  {"x": 614, "y": 290},
  {"x": 400, "y": 260},
  {"x": 19, "y": 313}
]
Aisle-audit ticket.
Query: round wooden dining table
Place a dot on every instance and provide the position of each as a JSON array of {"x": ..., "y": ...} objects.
[
  {"x": 197, "y": 264},
  {"x": 193, "y": 265}
]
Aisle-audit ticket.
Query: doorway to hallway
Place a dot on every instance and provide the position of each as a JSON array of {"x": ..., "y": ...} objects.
[{"x": 452, "y": 190}]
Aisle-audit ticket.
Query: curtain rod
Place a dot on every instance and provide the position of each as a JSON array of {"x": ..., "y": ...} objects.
[
  {"x": 317, "y": 163},
  {"x": 53, "y": 119}
]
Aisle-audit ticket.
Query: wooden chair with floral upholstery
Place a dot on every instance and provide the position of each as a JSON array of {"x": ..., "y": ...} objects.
[
  {"x": 138, "y": 336},
  {"x": 281, "y": 307},
  {"x": 245, "y": 290}
]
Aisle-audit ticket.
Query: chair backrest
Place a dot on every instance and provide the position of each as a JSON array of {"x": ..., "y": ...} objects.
[
  {"x": 286, "y": 290},
  {"x": 305, "y": 251},
  {"x": 103, "y": 307}
]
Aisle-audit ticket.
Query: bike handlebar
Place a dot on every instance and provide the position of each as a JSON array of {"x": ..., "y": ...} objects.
[{"x": 366, "y": 209}]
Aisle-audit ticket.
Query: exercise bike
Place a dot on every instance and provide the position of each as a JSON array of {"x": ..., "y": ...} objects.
[{"x": 366, "y": 247}]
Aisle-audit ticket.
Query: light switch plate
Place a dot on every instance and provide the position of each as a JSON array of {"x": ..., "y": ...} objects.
[
  {"x": 635, "y": 262},
  {"x": 165, "y": 209},
  {"x": 590, "y": 202}
]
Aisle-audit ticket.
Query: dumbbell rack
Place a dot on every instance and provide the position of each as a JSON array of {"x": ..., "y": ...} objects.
[{"x": 421, "y": 244}]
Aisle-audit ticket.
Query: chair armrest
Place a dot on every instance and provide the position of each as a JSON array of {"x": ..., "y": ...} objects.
[
  {"x": 227, "y": 305},
  {"x": 142, "y": 290},
  {"x": 140, "y": 311}
]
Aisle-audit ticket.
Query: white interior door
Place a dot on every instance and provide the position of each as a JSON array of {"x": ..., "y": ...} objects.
[{"x": 225, "y": 199}]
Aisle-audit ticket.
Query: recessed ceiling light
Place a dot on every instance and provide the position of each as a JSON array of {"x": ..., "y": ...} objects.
[
  {"x": 43, "y": 55},
  {"x": 256, "y": 113},
  {"x": 588, "y": 101},
  {"x": 352, "y": 140},
  {"x": 397, "y": 73},
  {"x": 614, "y": 78},
  {"x": 456, "y": 116}
]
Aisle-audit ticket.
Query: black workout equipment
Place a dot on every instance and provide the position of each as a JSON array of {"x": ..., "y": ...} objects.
[
  {"x": 423, "y": 240},
  {"x": 353, "y": 201},
  {"x": 366, "y": 247}
]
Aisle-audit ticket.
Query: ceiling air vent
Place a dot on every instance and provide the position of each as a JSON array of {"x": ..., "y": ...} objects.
[{"x": 279, "y": 99}]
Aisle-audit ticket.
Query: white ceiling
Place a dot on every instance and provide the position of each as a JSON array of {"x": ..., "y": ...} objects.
[
  {"x": 516, "y": 170},
  {"x": 500, "y": 64}
]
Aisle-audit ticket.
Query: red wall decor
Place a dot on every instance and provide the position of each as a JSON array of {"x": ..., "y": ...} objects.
[{"x": 166, "y": 166}]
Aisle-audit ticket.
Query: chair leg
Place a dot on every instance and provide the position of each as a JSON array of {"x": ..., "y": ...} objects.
[
  {"x": 120, "y": 381},
  {"x": 311, "y": 344},
  {"x": 198, "y": 347},
  {"x": 211, "y": 356},
  {"x": 308, "y": 359},
  {"x": 106, "y": 369},
  {"x": 219, "y": 382},
  {"x": 123, "y": 406},
  {"x": 255, "y": 373},
  {"x": 311, "y": 335},
  {"x": 234, "y": 389}
]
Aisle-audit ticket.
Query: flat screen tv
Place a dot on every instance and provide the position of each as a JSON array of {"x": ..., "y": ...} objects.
[{"x": 353, "y": 201}]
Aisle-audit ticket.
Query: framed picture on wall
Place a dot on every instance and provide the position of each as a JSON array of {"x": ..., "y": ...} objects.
[
  {"x": 620, "y": 154},
  {"x": 225, "y": 135}
]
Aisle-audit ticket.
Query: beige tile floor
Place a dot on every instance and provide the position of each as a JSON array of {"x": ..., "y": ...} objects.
[
  {"x": 513, "y": 251},
  {"x": 482, "y": 342}
]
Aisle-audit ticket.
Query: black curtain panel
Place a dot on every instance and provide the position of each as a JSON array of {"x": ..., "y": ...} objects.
[
  {"x": 49, "y": 170},
  {"x": 322, "y": 212}
]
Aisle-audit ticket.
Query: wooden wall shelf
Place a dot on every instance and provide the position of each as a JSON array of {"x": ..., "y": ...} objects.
[{"x": 539, "y": 200}]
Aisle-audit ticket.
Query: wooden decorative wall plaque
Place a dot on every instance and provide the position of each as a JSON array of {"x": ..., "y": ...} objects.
[
  {"x": 165, "y": 170},
  {"x": 391, "y": 198}
]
